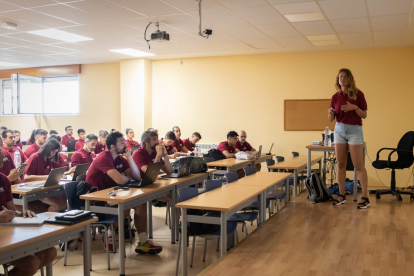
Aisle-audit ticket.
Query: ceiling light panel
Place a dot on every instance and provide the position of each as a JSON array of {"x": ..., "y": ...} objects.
[
  {"x": 132, "y": 52},
  {"x": 60, "y": 35},
  {"x": 321, "y": 37},
  {"x": 301, "y": 17},
  {"x": 326, "y": 43}
]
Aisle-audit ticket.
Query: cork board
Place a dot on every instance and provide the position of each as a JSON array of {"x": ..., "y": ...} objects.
[{"x": 307, "y": 115}]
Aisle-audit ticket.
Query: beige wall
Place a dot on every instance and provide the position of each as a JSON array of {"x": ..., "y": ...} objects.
[
  {"x": 216, "y": 94},
  {"x": 99, "y": 104}
]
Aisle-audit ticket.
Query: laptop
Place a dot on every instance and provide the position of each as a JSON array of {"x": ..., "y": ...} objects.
[
  {"x": 54, "y": 178},
  {"x": 270, "y": 151},
  {"x": 134, "y": 148},
  {"x": 71, "y": 145},
  {"x": 260, "y": 151},
  {"x": 80, "y": 170},
  {"x": 150, "y": 176}
]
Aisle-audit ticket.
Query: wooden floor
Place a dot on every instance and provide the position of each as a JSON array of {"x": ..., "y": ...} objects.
[{"x": 321, "y": 239}]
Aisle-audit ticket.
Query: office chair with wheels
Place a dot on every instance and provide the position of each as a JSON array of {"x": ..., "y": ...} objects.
[{"x": 405, "y": 160}]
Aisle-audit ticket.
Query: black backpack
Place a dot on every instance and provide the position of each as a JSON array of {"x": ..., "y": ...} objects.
[
  {"x": 198, "y": 165},
  {"x": 216, "y": 154},
  {"x": 316, "y": 188}
]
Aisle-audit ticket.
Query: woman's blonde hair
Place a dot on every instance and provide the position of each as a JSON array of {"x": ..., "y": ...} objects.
[{"x": 352, "y": 89}]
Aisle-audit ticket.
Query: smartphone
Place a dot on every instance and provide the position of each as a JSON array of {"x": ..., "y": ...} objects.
[
  {"x": 22, "y": 167},
  {"x": 74, "y": 213}
]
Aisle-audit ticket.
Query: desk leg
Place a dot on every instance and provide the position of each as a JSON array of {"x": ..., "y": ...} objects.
[
  {"x": 121, "y": 239},
  {"x": 25, "y": 203},
  {"x": 262, "y": 199},
  {"x": 309, "y": 162},
  {"x": 223, "y": 234},
  {"x": 184, "y": 241},
  {"x": 295, "y": 182},
  {"x": 287, "y": 190},
  {"x": 87, "y": 255},
  {"x": 149, "y": 219},
  {"x": 49, "y": 270},
  {"x": 173, "y": 213}
]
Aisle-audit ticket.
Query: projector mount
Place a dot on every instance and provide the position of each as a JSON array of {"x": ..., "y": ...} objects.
[{"x": 207, "y": 32}]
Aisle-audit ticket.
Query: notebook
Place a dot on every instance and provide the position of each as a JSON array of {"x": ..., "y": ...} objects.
[{"x": 20, "y": 221}]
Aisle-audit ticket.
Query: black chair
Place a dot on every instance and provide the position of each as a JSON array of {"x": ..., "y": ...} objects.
[{"x": 405, "y": 160}]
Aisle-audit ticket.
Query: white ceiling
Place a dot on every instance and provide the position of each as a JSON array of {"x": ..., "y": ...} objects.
[{"x": 239, "y": 27}]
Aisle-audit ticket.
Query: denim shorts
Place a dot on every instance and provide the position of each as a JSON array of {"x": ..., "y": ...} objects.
[{"x": 348, "y": 134}]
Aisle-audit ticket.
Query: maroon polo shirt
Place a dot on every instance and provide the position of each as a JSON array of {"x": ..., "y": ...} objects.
[
  {"x": 11, "y": 152},
  {"x": 8, "y": 164},
  {"x": 143, "y": 158},
  {"x": 169, "y": 148},
  {"x": 178, "y": 144},
  {"x": 82, "y": 157},
  {"x": 79, "y": 144},
  {"x": 350, "y": 117},
  {"x": 243, "y": 147},
  {"x": 99, "y": 148},
  {"x": 31, "y": 150},
  {"x": 19, "y": 144},
  {"x": 130, "y": 144},
  {"x": 38, "y": 165},
  {"x": 29, "y": 143},
  {"x": 5, "y": 190},
  {"x": 223, "y": 146},
  {"x": 187, "y": 143},
  {"x": 65, "y": 139},
  {"x": 63, "y": 162},
  {"x": 104, "y": 162}
]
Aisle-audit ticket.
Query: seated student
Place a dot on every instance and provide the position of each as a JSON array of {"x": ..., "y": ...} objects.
[
  {"x": 68, "y": 136},
  {"x": 243, "y": 145},
  {"x": 31, "y": 139},
  {"x": 228, "y": 150},
  {"x": 101, "y": 145},
  {"x": 113, "y": 167},
  {"x": 190, "y": 142},
  {"x": 38, "y": 169},
  {"x": 8, "y": 168},
  {"x": 178, "y": 143},
  {"x": 40, "y": 136},
  {"x": 151, "y": 151},
  {"x": 153, "y": 129},
  {"x": 168, "y": 140},
  {"x": 86, "y": 154},
  {"x": 53, "y": 132},
  {"x": 9, "y": 145},
  {"x": 2, "y": 128},
  {"x": 63, "y": 158},
  {"x": 130, "y": 138},
  {"x": 81, "y": 141},
  {"x": 31, "y": 263},
  {"x": 17, "y": 139}
]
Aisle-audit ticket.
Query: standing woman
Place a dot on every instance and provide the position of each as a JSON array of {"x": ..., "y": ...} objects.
[
  {"x": 130, "y": 139},
  {"x": 348, "y": 107}
]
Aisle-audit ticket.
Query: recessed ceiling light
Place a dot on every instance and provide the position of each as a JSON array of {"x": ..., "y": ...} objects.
[
  {"x": 321, "y": 37},
  {"x": 9, "y": 25},
  {"x": 301, "y": 17},
  {"x": 132, "y": 52},
  {"x": 60, "y": 35},
  {"x": 328, "y": 42}
]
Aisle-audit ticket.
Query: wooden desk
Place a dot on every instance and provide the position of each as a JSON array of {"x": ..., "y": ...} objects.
[
  {"x": 296, "y": 164},
  {"x": 136, "y": 196},
  {"x": 262, "y": 158},
  {"x": 324, "y": 149},
  {"x": 231, "y": 164},
  {"x": 27, "y": 196},
  {"x": 18, "y": 242}
]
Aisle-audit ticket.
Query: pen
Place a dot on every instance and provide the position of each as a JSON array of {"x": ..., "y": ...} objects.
[{"x": 4, "y": 208}]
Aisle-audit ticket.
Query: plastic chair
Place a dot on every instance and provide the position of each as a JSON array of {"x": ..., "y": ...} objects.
[
  {"x": 6, "y": 270},
  {"x": 249, "y": 170},
  {"x": 231, "y": 177},
  {"x": 208, "y": 159}
]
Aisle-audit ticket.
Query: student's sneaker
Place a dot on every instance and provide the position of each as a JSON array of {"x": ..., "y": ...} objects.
[
  {"x": 339, "y": 200},
  {"x": 110, "y": 242},
  {"x": 363, "y": 204},
  {"x": 148, "y": 248}
]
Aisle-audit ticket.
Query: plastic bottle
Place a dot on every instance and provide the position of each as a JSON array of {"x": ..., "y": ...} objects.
[
  {"x": 17, "y": 158},
  {"x": 327, "y": 141},
  {"x": 196, "y": 150}
]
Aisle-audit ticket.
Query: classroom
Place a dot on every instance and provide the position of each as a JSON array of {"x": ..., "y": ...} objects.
[{"x": 211, "y": 73}]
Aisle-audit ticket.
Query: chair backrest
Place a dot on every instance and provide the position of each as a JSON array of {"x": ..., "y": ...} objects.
[
  {"x": 279, "y": 159},
  {"x": 231, "y": 177},
  {"x": 270, "y": 162},
  {"x": 212, "y": 184},
  {"x": 295, "y": 153},
  {"x": 406, "y": 159},
  {"x": 187, "y": 193},
  {"x": 249, "y": 170},
  {"x": 70, "y": 191},
  {"x": 208, "y": 159},
  {"x": 81, "y": 177}
]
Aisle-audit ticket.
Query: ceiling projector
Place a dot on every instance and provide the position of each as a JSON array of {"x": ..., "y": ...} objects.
[{"x": 159, "y": 36}]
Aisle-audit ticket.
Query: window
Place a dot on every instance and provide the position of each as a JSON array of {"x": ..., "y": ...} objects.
[{"x": 24, "y": 94}]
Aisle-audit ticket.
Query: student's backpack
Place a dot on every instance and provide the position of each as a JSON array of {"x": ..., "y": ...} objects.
[
  {"x": 182, "y": 166},
  {"x": 216, "y": 154},
  {"x": 316, "y": 188},
  {"x": 198, "y": 165}
]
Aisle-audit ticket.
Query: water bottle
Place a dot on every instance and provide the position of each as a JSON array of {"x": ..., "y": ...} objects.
[
  {"x": 17, "y": 158},
  {"x": 327, "y": 140},
  {"x": 196, "y": 149}
]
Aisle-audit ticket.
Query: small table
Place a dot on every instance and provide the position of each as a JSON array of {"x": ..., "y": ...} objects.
[
  {"x": 231, "y": 164},
  {"x": 296, "y": 164},
  {"x": 18, "y": 242}
]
